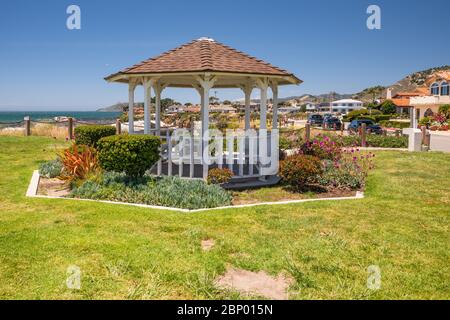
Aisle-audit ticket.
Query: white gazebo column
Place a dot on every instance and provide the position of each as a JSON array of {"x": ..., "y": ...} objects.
[
  {"x": 248, "y": 92},
  {"x": 207, "y": 83},
  {"x": 131, "y": 88},
  {"x": 274, "y": 87},
  {"x": 147, "y": 100},
  {"x": 158, "y": 88},
  {"x": 263, "y": 85}
]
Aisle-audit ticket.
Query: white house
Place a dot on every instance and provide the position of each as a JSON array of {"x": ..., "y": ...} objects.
[{"x": 346, "y": 105}]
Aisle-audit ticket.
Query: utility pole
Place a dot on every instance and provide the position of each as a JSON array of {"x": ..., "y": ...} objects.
[{"x": 331, "y": 100}]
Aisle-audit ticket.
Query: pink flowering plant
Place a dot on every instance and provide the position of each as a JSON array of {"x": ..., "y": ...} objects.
[
  {"x": 349, "y": 171},
  {"x": 345, "y": 168},
  {"x": 322, "y": 147}
]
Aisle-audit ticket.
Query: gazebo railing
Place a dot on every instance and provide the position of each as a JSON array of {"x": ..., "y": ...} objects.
[{"x": 248, "y": 153}]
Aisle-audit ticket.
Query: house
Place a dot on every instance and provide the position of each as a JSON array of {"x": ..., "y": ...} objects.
[
  {"x": 437, "y": 94},
  {"x": 175, "y": 108},
  {"x": 341, "y": 106},
  {"x": 222, "y": 108},
  {"x": 311, "y": 106},
  {"x": 401, "y": 100},
  {"x": 287, "y": 110}
]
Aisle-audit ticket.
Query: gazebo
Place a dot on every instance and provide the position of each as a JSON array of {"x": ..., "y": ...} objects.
[{"x": 205, "y": 64}]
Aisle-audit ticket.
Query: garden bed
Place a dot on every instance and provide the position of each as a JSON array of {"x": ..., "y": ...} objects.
[
  {"x": 115, "y": 168},
  {"x": 54, "y": 188}
]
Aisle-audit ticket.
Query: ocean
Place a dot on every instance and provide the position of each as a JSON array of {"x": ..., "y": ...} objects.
[{"x": 93, "y": 116}]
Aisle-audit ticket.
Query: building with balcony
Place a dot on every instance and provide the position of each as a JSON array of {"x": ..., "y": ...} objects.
[{"x": 438, "y": 94}]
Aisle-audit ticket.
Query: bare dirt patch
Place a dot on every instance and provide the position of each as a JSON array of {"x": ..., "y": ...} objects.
[
  {"x": 255, "y": 283},
  {"x": 207, "y": 244},
  {"x": 53, "y": 187}
]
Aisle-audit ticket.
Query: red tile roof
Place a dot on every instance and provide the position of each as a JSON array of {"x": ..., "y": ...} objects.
[
  {"x": 401, "y": 102},
  {"x": 205, "y": 55}
]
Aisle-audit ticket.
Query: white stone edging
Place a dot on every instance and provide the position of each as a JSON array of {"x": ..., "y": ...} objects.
[{"x": 33, "y": 187}]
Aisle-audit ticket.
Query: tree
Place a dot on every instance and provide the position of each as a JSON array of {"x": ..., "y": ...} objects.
[
  {"x": 188, "y": 104},
  {"x": 227, "y": 102},
  {"x": 388, "y": 107},
  {"x": 303, "y": 108},
  {"x": 445, "y": 110}
]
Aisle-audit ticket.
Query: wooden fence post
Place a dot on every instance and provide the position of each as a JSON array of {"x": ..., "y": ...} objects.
[
  {"x": 27, "y": 126},
  {"x": 363, "y": 135},
  {"x": 307, "y": 132},
  {"x": 384, "y": 132},
  {"x": 424, "y": 134},
  {"x": 70, "y": 128},
  {"x": 342, "y": 128},
  {"x": 397, "y": 133},
  {"x": 118, "y": 126}
]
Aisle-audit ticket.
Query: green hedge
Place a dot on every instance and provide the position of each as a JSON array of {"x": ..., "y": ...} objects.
[
  {"x": 132, "y": 154},
  {"x": 394, "y": 124},
  {"x": 361, "y": 114},
  {"x": 89, "y": 135}
]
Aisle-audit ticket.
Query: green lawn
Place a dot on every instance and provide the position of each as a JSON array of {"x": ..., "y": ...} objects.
[{"x": 125, "y": 252}]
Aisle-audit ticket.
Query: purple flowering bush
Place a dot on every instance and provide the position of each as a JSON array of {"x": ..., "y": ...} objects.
[
  {"x": 322, "y": 147},
  {"x": 350, "y": 170},
  {"x": 341, "y": 168}
]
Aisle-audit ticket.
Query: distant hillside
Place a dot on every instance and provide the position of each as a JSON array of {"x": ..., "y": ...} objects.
[
  {"x": 407, "y": 84},
  {"x": 118, "y": 107}
]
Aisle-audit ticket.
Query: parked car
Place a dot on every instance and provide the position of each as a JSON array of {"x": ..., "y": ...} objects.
[
  {"x": 370, "y": 126},
  {"x": 315, "y": 120},
  {"x": 332, "y": 123}
]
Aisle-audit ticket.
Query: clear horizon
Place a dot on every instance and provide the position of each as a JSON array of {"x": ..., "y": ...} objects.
[{"x": 325, "y": 43}]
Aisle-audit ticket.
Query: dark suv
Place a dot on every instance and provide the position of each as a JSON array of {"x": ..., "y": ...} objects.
[
  {"x": 332, "y": 123},
  {"x": 315, "y": 120},
  {"x": 370, "y": 126}
]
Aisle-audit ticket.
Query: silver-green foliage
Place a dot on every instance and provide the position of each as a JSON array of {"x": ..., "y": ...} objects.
[
  {"x": 50, "y": 169},
  {"x": 165, "y": 191}
]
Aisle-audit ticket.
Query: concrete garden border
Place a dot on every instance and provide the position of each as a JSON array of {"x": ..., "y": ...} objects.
[{"x": 34, "y": 184}]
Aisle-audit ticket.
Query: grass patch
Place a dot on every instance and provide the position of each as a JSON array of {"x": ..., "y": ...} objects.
[{"x": 133, "y": 253}]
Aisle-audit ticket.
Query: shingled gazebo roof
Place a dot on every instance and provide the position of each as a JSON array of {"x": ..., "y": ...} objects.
[{"x": 204, "y": 56}]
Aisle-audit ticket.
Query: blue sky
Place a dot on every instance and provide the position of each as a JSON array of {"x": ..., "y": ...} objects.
[{"x": 325, "y": 43}]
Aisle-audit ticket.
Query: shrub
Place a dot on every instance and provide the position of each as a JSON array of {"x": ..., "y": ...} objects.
[
  {"x": 132, "y": 154},
  {"x": 372, "y": 141},
  {"x": 79, "y": 162},
  {"x": 89, "y": 135},
  {"x": 323, "y": 147},
  {"x": 357, "y": 114},
  {"x": 388, "y": 107},
  {"x": 218, "y": 176},
  {"x": 382, "y": 117},
  {"x": 445, "y": 109},
  {"x": 425, "y": 121},
  {"x": 350, "y": 171},
  {"x": 51, "y": 169},
  {"x": 386, "y": 141},
  {"x": 165, "y": 191},
  {"x": 299, "y": 170},
  {"x": 394, "y": 124},
  {"x": 284, "y": 143}
]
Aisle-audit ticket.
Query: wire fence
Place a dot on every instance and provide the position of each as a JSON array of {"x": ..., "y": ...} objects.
[{"x": 63, "y": 128}]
